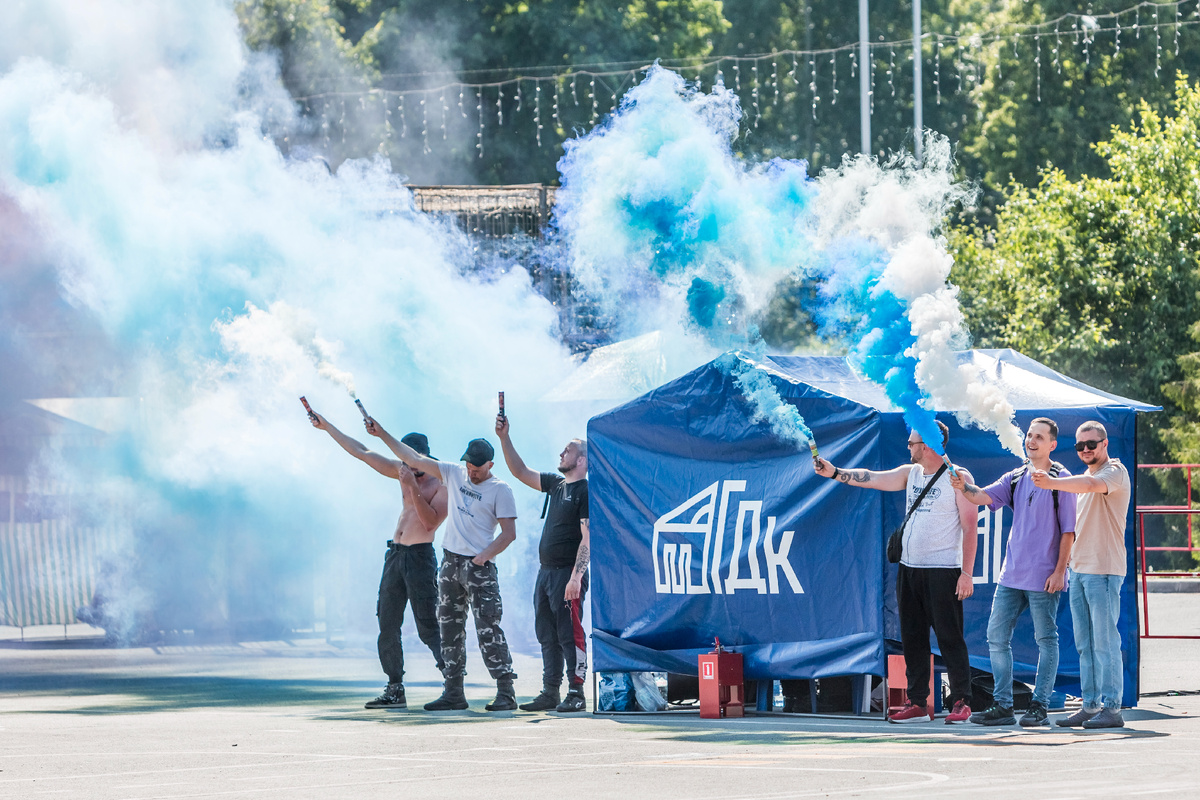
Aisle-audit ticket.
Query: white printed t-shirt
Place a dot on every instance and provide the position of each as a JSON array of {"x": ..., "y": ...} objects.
[
  {"x": 473, "y": 509},
  {"x": 933, "y": 536}
]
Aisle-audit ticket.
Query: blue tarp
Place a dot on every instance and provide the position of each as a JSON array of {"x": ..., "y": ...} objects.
[{"x": 706, "y": 525}]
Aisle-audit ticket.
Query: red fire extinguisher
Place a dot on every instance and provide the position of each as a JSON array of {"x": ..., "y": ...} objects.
[{"x": 721, "y": 685}]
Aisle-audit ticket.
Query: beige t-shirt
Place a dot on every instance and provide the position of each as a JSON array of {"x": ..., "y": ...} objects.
[{"x": 1100, "y": 523}]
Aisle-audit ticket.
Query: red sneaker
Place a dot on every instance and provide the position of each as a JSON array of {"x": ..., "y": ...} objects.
[
  {"x": 960, "y": 714},
  {"x": 910, "y": 713}
]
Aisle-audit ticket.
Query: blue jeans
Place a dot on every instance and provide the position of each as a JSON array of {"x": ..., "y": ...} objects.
[
  {"x": 1007, "y": 605},
  {"x": 1095, "y": 608}
]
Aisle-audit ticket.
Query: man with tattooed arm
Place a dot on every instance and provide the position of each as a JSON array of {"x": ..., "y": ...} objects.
[{"x": 934, "y": 574}]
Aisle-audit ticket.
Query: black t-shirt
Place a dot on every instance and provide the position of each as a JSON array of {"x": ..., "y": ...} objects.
[{"x": 562, "y": 533}]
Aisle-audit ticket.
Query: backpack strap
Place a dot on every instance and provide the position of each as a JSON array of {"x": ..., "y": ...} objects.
[
  {"x": 1016, "y": 476},
  {"x": 1055, "y": 469}
]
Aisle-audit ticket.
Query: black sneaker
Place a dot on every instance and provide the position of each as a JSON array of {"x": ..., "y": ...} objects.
[
  {"x": 574, "y": 701},
  {"x": 996, "y": 715},
  {"x": 392, "y": 698},
  {"x": 1107, "y": 718},
  {"x": 1035, "y": 716},
  {"x": 1077, "y": 719},
  {"x": 546, "y": 701}
]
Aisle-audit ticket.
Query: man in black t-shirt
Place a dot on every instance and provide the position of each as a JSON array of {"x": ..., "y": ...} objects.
[{"x": 562, "y": 578}]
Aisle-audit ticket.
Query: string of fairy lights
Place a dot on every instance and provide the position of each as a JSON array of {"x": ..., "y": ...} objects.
[{"x": 543, "y": 93}]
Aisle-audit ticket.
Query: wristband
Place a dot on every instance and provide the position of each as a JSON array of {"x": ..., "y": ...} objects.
[{"x": 833, "y": 477}]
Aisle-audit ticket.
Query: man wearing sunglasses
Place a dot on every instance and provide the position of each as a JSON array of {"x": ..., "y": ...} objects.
[
  {"x": 1097, "y": 572},
  {"x": 1033, "y": 575},
  {"x": 934, "y": 574}
]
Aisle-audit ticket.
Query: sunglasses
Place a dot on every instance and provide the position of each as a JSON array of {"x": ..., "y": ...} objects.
[{"x": 1088, "y": 445}]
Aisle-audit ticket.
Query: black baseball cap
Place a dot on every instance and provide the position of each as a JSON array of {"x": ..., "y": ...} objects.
[
  {"x": 418, "y": 442},
  {"x": 479, "y": 452}
]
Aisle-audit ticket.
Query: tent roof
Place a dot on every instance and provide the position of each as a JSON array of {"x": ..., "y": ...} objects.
[{"x": 1027, "y": 384}]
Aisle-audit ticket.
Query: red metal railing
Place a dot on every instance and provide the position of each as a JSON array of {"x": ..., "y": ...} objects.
[{"x": 1186, "y": 510}]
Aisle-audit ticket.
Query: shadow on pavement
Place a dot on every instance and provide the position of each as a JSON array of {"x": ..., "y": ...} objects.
[
  {"x": 125, "y": 695},
  {"x": 874, "y": 732}
]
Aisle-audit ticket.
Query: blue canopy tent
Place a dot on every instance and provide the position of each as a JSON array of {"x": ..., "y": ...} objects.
[{"x": 707, "y": 525}]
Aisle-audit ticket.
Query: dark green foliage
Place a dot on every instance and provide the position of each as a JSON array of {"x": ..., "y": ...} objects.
[{"x": 1097, "y": 277}]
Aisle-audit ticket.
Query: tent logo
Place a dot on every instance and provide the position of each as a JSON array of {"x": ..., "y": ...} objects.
[
  {"x": 990, "y": 552},
  {"x": 675, "y": 560}
]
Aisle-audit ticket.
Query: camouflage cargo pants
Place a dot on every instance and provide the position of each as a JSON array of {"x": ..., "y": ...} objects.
[{"x": 461, "y": 584}]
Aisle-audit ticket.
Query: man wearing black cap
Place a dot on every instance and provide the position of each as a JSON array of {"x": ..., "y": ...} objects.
[
  {"x": 478, "y": 502},
  {"x": 410, "y": 566}
]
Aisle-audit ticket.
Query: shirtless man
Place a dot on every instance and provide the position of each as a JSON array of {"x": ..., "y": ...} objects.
[{"x": 410, "y": 566}]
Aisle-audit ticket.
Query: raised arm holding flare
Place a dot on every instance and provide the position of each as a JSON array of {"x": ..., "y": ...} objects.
[
  {"x": 415, "y": 460},
  {"x": 934, "y": 574},
  {"x": 1034, "y": 571},
  {"x": 479, "y": 503},
  {"x": 562, "y": 573},
  {"x": 409, "y": 565}
]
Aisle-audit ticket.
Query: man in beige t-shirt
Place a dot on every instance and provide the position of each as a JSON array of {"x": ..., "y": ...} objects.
[{"x": 1097, "y": 572}]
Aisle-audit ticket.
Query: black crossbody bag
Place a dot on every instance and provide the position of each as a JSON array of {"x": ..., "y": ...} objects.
[{"x": 895, "y": 545}]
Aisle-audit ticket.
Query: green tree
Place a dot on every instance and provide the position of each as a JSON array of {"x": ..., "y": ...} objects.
[
  {"x": 334, "y": 52},
  {"x": 1183, "y": 436},
  {"x": 1097, "y": 276},
  {"x": 309, "y": 36},
  {"x": 1046, "y": 97}
]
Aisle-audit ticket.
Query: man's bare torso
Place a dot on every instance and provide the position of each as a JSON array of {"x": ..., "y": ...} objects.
[{"x": 409, "y": 528}]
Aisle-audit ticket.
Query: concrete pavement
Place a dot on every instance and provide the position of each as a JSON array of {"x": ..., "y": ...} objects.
[{"x": 285, "y": 720}]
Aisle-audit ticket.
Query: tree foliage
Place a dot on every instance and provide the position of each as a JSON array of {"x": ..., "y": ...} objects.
[
  {"x": 1097, "y": 277},
  {"x": 1084, "y": 256},
  {"x": 333, "y": 50},
  {"x": 1045, "y": 102}
]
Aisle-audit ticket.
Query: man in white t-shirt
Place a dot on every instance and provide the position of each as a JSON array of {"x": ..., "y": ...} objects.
[
  {"x": 931, "y": 579},
  {"x": 478, "y": 503},
  {"x": 1097, "y": 572}
]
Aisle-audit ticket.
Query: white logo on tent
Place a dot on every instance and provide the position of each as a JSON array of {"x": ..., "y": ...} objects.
[
  {"x": 991, "y": 549},
  {"x": 674, "y": 560}
]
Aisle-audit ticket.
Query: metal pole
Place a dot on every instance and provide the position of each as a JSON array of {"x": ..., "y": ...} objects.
[
  {"x": 864, "y": 78},
  {"x": 918, "y": 123}
]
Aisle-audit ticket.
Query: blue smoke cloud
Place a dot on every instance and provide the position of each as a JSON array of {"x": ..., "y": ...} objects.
[
  {"x": 210, "y": 280},
  {"x": 660, "y": 217},
  {"x": 665, "y": 227},
  {"x": 882, "y": 355},
  {"x": 766, "y": 403}
]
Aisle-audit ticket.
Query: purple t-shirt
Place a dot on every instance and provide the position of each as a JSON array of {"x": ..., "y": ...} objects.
[{"x": 1034, "y": 539}]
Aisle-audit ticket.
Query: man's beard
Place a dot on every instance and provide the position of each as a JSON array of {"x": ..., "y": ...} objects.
[{"x": 565, "y": 469}]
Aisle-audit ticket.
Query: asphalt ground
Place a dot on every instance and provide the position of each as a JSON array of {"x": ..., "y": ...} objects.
[{"x": 285, "y": 719}]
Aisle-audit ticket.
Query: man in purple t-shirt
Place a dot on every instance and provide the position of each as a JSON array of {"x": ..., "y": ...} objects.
[{"x": 1034, "y": 571}]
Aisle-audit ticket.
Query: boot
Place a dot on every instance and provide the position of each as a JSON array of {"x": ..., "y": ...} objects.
[
  {"x": 392, "y": 697},
  {"x": 506, "y": 696},
  {"x": 452, "y": 698},
  {"x": 546, "y": 701}
]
